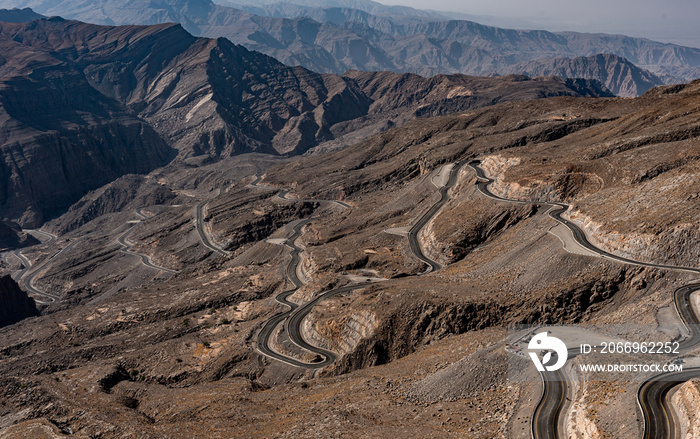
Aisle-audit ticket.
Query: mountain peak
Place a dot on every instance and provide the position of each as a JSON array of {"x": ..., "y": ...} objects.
[{"x": 18, "y": 15}]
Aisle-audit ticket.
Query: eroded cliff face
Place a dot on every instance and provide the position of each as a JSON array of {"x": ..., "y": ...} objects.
[
  {"x": 44, "y": 174},
  {"x": 339, "y": 335},
  {"x": 549, "y": 187},
  {"x": 687, "y": 403},
  {"x": 580, "y": 423},
  {"x": 676, "y": 246}
]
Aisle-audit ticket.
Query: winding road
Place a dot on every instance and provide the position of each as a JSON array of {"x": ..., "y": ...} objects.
[
  {"x": 199, "y": 225},
  {"x": 295, "y": 315},
  {"x": 127, "y": 246},
  {"x": 282, "y": 193},
  {"x": 27, "y": 281},
  {"x": 651, "y": 395},
  {"x": 26, "y": 276},
  {"x": 413, "y": 240}
]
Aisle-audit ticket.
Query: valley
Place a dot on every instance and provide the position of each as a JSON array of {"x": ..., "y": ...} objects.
[
  {"x": 228, "y": 301},
  {"x": 201, "y": 241}
]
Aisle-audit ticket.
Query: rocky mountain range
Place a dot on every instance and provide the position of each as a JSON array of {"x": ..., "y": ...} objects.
[
  {"x": 295, "y": 9},
  {"x": 85, "y": 104},
  {"x": 335, "y": 40},
  {"x": 226, "y": 246}
]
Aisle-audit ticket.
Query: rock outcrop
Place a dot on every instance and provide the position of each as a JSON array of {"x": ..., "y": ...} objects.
[
  {"x": 687, "y": 401},
  {"x": 12, "y": 236},
  {"x": 15, "y": 305}
]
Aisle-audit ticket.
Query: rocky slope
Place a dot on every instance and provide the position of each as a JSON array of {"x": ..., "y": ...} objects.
[
  {"x": 15, "y": 305},
  {"x": 60, "y": 136},
  {"x": 155, "y": 353},
  {"x": 342, "y": 39},
  {"x": 12, "y": 236},
  {"x": 618, "y": 74}
]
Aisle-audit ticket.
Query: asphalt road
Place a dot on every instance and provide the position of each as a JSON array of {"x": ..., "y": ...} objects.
[
  {"x": 545, "y": 420},
  {"x": 295, "y": 315},
  {"x": 199, "y": 225},
  {"x": 126, "y": 248},
  {"x": 652, "y": 399},
  {"x": 268, "y": 329},
  {"x": 548, "y": 411},
  {"x": 413, "y": 240},
  {"x": 27, "y": 280},
  {"x": 658, "y": 422},
  {"x": 18, "y": 253}
]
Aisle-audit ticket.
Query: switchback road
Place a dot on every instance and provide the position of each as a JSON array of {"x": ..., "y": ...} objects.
[
  {"x": 127, "y": 246},
  {"x": 295, "y": 315},
  {"x": 657, "y": 425}
]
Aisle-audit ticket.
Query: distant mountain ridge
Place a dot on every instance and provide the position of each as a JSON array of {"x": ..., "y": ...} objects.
[
  {"x": 618, "y": 74},
  {"x": 351, "y": 39},
  {"x": 18, "y": 15},
  {"x": 369, "y": 6}
]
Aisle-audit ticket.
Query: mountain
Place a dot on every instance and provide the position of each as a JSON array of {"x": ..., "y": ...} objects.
[
  {"x": 445, "y": 94},
  {"x": 60, "y": 137},
  {"x": 334, "y": 40},
  {"x": 15, "y": 305},
  {"x": 618, "y": 74},
  {"x": 83, "y": 105},
  {"x": 374, "y": 8},
  {"x": 18, "y": 15}
]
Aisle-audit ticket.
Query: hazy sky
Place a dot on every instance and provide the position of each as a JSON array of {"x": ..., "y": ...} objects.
[{"x": 670, "y": 20}]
